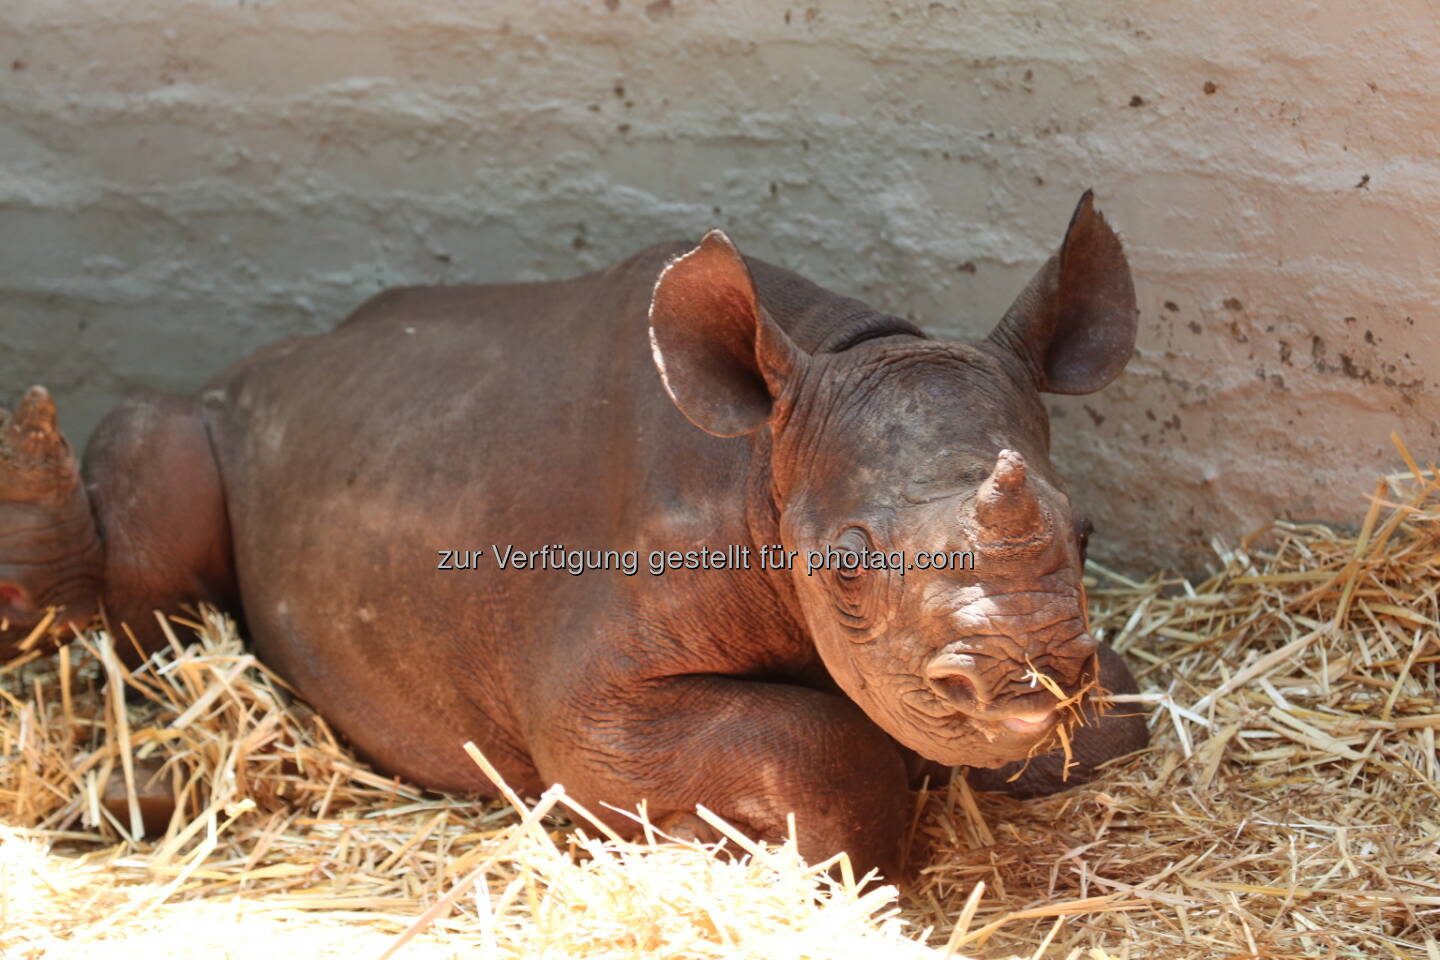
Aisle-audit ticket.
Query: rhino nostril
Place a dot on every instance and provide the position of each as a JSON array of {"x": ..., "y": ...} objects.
[
  {"x": 956, "y": 688},
  {"x": 956, "y": 679}
]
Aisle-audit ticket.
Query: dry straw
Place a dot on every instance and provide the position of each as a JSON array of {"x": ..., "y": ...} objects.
[{"x": 1289, "y": 805}]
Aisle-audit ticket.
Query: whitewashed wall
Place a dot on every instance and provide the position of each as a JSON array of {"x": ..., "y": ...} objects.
[{"x": 181, "y": 181}]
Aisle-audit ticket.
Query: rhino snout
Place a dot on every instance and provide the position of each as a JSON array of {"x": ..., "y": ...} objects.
[{"x": 1005, "y": 693}]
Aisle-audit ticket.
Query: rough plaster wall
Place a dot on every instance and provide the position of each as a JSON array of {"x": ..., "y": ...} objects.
[{"x": 182, "y": 181}]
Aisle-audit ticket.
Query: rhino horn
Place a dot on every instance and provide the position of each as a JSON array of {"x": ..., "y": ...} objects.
[{"x": 1006, "y": 510}]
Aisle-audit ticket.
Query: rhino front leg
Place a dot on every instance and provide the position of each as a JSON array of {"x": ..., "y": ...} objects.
[
  {"x": 752, "y": 752},
  {"x": 1121, "y": 731}
]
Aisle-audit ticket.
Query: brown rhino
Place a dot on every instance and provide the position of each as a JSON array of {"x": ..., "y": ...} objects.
[{"x": 317, "y": 487}]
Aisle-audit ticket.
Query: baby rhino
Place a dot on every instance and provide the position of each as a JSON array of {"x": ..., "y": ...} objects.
[{"x": 682, "y": 400}]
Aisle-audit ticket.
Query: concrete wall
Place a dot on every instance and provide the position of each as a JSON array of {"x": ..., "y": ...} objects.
[{"x": 181, "y": 181}]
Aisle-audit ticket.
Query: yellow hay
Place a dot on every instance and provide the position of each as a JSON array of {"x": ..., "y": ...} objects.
[{"x": 1289, "y": 805}]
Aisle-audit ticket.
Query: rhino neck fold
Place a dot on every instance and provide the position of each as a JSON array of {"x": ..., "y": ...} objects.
[{"x": 762, "y": 520}]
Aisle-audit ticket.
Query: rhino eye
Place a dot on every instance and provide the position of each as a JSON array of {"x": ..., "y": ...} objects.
[
  {"x": 852, "y": 547},
  {"x": 852, "y": 581}
]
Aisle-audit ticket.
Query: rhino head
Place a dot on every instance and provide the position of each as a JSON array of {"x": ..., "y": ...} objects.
[{"x": 899, "y": 445}]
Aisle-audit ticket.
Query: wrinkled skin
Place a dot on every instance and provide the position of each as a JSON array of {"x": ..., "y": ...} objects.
[{"x": 312, "y": 485}]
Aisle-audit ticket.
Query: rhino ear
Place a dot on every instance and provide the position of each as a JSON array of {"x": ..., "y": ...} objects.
[
  {"x": 1074, "y": 323},
  {"x": 722, "y": 358}
]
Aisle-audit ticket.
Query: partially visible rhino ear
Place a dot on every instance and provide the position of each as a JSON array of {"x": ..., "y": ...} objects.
[
  {"x": 1074, "y": 323},
  {"x": 722, "y": 358}
]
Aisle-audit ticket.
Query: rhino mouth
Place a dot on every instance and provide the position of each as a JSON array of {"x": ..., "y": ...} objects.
[
  {"x": 942, "y": 734},
  {"x": 951, "y": 721},
  {"x": 985, "y": 745},
  {"x": 1015, "y": 729},
  {"x": 1031, "y": 723}
]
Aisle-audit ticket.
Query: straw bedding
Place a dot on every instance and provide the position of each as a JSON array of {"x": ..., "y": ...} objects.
[{"x": 1289, "y": 805}]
